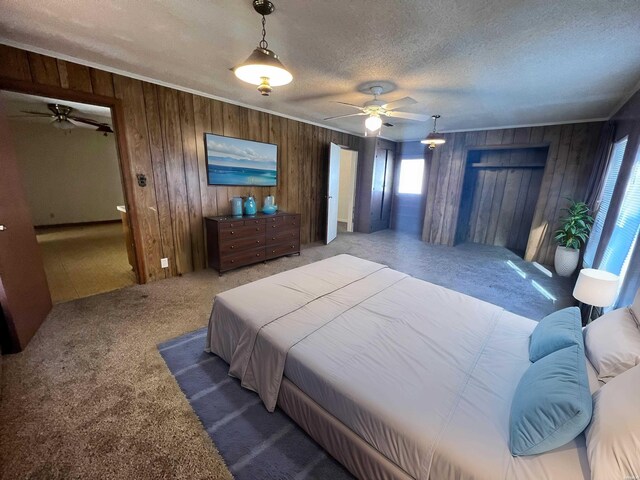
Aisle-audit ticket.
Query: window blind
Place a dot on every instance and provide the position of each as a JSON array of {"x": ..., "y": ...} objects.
[
  {"x": 625, "y": 233},
  {"x": 615, "y": 160}
]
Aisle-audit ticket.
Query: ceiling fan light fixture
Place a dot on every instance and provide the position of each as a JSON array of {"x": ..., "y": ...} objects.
[
  {"x": 263, "y": 67},
  {"x": 63, "y": 124},
  {"x": 373, "y": 123},
  {"x": 434, "y": 138}
]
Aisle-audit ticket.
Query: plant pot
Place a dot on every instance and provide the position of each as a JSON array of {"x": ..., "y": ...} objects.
[{"x": 566, "y": 260}]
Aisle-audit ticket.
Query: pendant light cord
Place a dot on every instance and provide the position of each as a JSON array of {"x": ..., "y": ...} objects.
[{"x": 263, "y": 43}]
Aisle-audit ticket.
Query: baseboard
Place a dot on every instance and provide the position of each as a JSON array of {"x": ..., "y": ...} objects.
[{"x": 78, "y": 224}]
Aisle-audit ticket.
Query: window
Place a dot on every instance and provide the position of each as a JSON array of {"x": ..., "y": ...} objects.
[
  {"x": 625, "y": 231},
  {"x": 615, "y": 160},
  {"x": 411, "y": 174}
]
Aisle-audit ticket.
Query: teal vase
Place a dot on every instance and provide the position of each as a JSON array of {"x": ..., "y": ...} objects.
[{"x": 250, "y": 206}]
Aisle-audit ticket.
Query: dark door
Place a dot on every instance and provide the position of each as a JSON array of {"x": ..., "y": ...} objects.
[
  {"x": 382, "y": 191},
  {"x": 24, "y": 293}
]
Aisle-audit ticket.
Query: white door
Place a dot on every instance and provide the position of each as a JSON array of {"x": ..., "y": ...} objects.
[{"x": 332, "y": 192}]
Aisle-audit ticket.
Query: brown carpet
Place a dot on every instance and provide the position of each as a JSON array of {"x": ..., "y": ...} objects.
[
  {"x": 84, "y": 260},
  {"x": 91, "y": 397}
]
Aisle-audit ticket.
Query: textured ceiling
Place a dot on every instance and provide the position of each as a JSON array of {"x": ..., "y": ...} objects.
[{"x": 480, "y": 64}]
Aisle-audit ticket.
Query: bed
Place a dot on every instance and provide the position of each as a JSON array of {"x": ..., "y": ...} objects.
[{"x": 395, "y": 377}]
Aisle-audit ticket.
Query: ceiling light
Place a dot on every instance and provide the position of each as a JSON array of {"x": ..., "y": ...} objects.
[
  {"x": 373, "y": 123},
  {"x": 263, "y": 68},
  {"x": 434, "y": 138}
]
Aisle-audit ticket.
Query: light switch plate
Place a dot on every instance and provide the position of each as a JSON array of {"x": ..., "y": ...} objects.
[{"x": 164, "y": 262}]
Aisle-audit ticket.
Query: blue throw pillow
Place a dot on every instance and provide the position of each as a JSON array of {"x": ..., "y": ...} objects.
[
  {"x": 558, "y": 330},
  {"x": 552, "y": 404}
]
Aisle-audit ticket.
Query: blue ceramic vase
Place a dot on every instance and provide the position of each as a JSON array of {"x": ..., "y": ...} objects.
[{"x": 250, "y": 206}]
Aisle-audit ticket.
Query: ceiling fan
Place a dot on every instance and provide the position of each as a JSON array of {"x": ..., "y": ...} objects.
[
  {"x": 376, "y": 108},
  {"x": 63, "y": 118}
]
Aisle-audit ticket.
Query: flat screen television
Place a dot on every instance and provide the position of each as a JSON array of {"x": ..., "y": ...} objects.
[{"x": 233, "y": 161}]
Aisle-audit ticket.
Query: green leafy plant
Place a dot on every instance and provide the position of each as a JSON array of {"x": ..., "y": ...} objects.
[{"x": 576, "y": 225}]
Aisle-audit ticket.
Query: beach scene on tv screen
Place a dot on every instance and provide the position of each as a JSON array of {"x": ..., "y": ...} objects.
[{"x": 232, "y": 161}]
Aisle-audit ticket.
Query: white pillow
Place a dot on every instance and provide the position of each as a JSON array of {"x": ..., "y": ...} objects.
[
  {"x": 612, "y": 343},
  {"x": 613, "y": 436}
]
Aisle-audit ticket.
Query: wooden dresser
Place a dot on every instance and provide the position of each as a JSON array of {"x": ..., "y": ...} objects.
[{"x": 234, "y": 242}]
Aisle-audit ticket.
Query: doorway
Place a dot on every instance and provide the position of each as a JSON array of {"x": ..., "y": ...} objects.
[
  {"x": 68, "y": 159},
  {"x": 409, "y": 200},
  {"x": 499, "y": 196},
  {"x": 341, "y": 188}
]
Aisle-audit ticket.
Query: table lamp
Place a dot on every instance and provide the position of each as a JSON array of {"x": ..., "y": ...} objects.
[{"x": 596, "y": 288}]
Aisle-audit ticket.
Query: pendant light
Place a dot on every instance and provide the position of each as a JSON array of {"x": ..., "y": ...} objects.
[
  {"x": 434, "y": 138},
  {"x": 373, "y": 123},
  {"x": 263, "y": 68}
]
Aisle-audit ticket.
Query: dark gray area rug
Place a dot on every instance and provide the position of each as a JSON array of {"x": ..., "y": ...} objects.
[{"x": 255, "y": 444}]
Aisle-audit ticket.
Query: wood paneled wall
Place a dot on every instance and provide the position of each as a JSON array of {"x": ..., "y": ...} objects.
[
  {"x": 164, "y": 131},
  {"x": 569, "y": 163}
]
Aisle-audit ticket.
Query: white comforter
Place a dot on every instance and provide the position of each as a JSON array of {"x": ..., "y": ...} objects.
[{"x": 422, "y": 373}]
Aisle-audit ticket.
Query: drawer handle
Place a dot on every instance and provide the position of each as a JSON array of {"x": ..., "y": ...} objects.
[
  {"x": 232, "y": 261},
  {"x": 257, "y": 241},
  {"x": 292, "y": 246},
  {"x": 232, "y": 247},
  {"x": 257, "y": 254},
  {"x": 232, "y": 232},
  {"x": 273, "y": 238},
  {"x": 273, "y": 251},
  {"x": 257, "y": 229},
  {"x": 273, "y": 226}
]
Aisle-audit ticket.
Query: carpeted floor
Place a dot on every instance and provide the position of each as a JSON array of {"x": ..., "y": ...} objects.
[
  {"x": 84, "y": 260},
  {"x": 91, "y": 397}
]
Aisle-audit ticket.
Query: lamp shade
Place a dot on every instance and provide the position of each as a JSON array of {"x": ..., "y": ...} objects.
[
  {"x": 596, "y": 287},
  {"x": 263, "y": 63},
  {"x": 373, "y": 123},
  {"x": 434, "y": 138}
]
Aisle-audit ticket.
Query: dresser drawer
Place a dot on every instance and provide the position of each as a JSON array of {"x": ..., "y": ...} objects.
[
  {"x": 231, "y": 225},
  {"x": 292, "y": 220},
  {"x": 274, "y": 251},
  {"x": 282, "y": 235},
  {"x": 274, "y": 222},
  {"x": 254, "y": 221},
  {"x": 230, "y": 234},
  {"x": 242, "y": 258},
  {"x": 241, "y": 244}
]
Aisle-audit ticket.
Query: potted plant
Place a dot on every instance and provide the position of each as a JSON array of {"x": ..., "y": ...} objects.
[{"x": 571, "y": 236}]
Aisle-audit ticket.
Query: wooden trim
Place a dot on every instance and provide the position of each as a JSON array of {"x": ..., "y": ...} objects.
[
  {"x": 500, "y": 165},
  {"x": 508, "y": 146},
  {"x": 117, "y": 118},
  {"x": 77, "y": 224}
]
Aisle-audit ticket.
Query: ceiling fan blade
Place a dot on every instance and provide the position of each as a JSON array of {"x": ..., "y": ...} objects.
[
  {"x": 42, "y": 114},
  {"x": 350, "y": 105},
  {"x": 344, "y": 116},
  {"x": 403, "y": 102},
  {"x": 409, "y": 116},
  {"x": 88, "y": 121},
  {"x": 387, "y": 124}
]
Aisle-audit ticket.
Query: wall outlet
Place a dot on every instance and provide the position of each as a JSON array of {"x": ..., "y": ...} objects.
[{"x": 164, "y": 262}]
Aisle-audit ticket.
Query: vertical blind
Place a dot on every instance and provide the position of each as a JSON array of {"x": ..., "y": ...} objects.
[
  {"x": 625, "y": 233},
  {"x": 615, "y": 160}
]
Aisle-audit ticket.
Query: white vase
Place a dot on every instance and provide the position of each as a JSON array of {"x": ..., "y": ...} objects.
[{"x": 566, "y": 260}]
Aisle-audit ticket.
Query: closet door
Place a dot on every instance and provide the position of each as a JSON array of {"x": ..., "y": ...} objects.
[{"x": 382, "y": 192}]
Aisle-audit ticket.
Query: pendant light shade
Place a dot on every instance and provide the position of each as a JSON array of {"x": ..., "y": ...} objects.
[
  {"x": 373, "y": 123},
  {"x": 434, "y": 138},
  {"x": 263, "y": 67}
]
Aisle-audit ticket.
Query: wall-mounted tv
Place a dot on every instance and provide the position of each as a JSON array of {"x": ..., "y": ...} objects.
[{"x": 233, "y": 161}]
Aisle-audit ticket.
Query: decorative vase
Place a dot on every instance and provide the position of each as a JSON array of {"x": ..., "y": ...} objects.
[
  {"x": 250, "y": 206},
  {"x": 566, "y": 260},
  {"x": 236, "y": 206}
]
